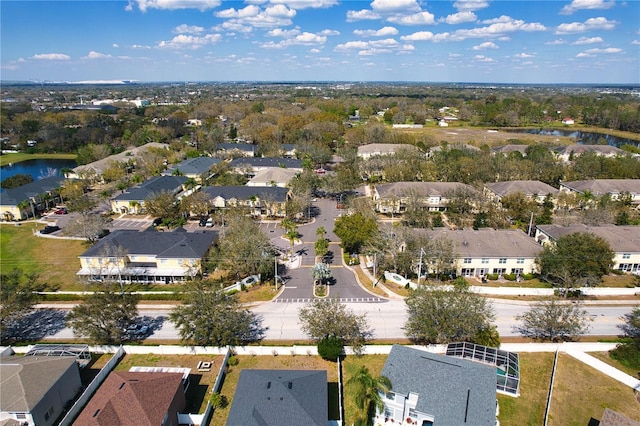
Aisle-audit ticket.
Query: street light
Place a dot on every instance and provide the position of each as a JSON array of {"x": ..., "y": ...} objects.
[{"x": 420, "y": 265}]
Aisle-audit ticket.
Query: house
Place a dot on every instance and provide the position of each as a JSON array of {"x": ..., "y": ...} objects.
[
  {"x": 488, "y": 251},
  {"x": 532, "y": 189},
  {"x": 240, "y": 149},
  {"x": 37, "y": 390},
  {"x": 367, "y": 151},
  {"x": 251, "y": 166},
  {"x": 280, "y": 397},
  {"x": 136, "y": 399},
  {"x": 510, "y": 148},
  {"x": 623, "y": 240},
  {"x": 432, "y": 389},
  {"x": 148, "y": 257},
  {"x": 259, "y": 201},
  {"x": 132, "y": 200},
  {"x": 569, "y": 152},
  {"x": 392, "y": 198},
  {"x": 30, "y": 199},
  {"x": 193, "y": 168},
  {"x": 94, "y": 170},
  {"x": 568, "y": 121},
  {"x": 273, "y": 177},
  {"x": 288, "y": 150},
  {"x": 613, "y": 187}
]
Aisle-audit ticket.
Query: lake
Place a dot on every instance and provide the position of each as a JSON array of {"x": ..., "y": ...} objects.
[
  {"x": 36, "y": 168},
  {"x": 587, "y": 138}
]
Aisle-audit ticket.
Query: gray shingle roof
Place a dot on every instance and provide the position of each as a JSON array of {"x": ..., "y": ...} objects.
[
  {"x": 240, "y": 192},
  {"x": 383, "y": 148},
  {"x": 24, "y": 381},
  {"x": 14, "y": 196},
  {"x": 579, "y": 148},
  {"x": 444, "y": 385},
  {"x": 487, "y": 243},
  {"x": 289, "y": 163},
  {"x": 193, "y": 166},
  {"x": 622, "y": 239},
  {"x": 153, "y": 186},
  {"x": 189, "y": 245},
  {"x": 605, "y": 186},
  {"x": 527, "y": 187},
  {"x": 425, "y": 189},
  {"x": 239, "y": 146},
  {"x": 280, "y": 397}
]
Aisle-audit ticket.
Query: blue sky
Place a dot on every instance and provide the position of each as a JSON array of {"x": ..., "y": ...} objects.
[{"x": 518, "y": 41}]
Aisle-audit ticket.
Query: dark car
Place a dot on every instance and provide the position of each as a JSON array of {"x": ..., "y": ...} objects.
[
  {"x": 50, "y": 229},
  {"x": 203, "y": 221},
  {"x": 156, "y": 222},
  {"x": 102, "y": 234}
]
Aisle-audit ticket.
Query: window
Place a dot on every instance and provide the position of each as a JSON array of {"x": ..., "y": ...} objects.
[
  {"x": 412, "y": 413},
  {"x": 520, "y": 260},
  {"x": 485, "y": 260},
  {"x": 21, "y": 416},
  {"x": 163, "y": 261},
  {"x": 467, "y": 260},
  {"x": 626, "y": 255},
  {"x": 502, "y": 260}
]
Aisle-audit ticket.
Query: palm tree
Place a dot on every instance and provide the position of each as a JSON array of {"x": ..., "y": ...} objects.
[
  {"x": 368, "y": 393},
  {"x": 321, "y": 232},
  {"x": 320, "y": 272},
  {"x": 291, "y": 231}
]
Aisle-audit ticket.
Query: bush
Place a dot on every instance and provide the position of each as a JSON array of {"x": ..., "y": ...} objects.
[
  {"x": 492, "y": 277},
  {"x": 218, "y": 401},
  {"x": 627, "y": 353},
  {"x": 330, "y": 348},
  {"x": 510, "y": 277},
  {"x": 617, "y": 272},
  {"x": 528, "y": 277},
  {"x": 233, "y": 361}
]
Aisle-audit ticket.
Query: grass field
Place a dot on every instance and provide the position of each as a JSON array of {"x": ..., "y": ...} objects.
[
  {"x": 604, "y": 357},
  {"x": 55, "y": 260},
  {"x": 22, "y": 156}
]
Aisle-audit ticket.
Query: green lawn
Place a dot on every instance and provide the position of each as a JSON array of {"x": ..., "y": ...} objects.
[
  {"x": 56, "y": 260},
  {"x": 23, "y": 156}
]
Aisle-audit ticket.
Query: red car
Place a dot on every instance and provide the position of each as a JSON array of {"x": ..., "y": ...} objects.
[{"x": 61, "y": 211}]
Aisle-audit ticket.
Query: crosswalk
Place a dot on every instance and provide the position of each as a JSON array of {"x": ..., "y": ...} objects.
[{"x": 341, "y": 300}]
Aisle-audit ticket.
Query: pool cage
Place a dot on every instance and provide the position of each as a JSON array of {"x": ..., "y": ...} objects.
[
  {"x": 507, "y": 363},
  {"x": 79, "y": 352}
]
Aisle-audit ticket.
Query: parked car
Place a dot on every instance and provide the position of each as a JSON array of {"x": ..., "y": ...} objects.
[
  {"x": 102, "y": 234},
  {"x": 203, "y": 221},
  {"x": 49, "y": 229},
  {"x": 156, "y": 222},
  {"x": 61, "y": 210},
  {"x": 209, "y": 223}
]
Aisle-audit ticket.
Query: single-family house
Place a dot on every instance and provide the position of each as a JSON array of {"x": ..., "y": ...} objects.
[
  {"x": 30, "y": 199},
  {"x": 428, "y": 389},
  {"x": 510, "y": 148},
  {"x": 193, "y": 168},
  {"x": 623, "y": 240},
  {"x": 259, "y": 201},
  {"x": 367, "y": 151},
  {"x": 288, "y": 150},
  {"x": 568, "y": 121},
  {"x": 136, "y": 399},
  {"x": 393, "y": 198},
  {"x": 148, "y": 257},
  {"x": 280, "y": 397},
  {"x": 236, "y": 149},
  {"x": 132, "y": 200},
  {"x": 566, "y": 153},
  {"x": 613, "y": 187},
  {"x": 273, "y": 177},
  {"x": 37, "y": 390},
  {"x": 532, "y": 189},
  {"x": 251, "y": 166},
  {"x": 488, "y": 251},
  {"x": 94, "y": 170}
]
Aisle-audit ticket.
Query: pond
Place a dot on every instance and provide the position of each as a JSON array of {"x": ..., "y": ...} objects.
[
  {"x": 36, "y": 168},
  {"x": 587, "y": 138}
]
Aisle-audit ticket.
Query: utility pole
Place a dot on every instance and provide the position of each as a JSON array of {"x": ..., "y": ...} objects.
[
  {"x": 275, "y": 274},
  {"x": 374, "y": 265},
  {"x": 420, "y": 265}
]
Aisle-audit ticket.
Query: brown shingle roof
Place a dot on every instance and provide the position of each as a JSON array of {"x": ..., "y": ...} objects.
[{"x": 134, "y": 399}]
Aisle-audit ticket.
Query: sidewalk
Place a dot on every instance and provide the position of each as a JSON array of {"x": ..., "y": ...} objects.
[
  {"x": 605, "y": 368},
  {"x": 390, "y": 294}
]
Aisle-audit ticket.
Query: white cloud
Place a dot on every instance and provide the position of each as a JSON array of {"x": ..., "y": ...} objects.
[
  {"x": 362, "y": 15},
  {"x": 115, "y": 45},
  {"x": 486, "y": 45},
  {"x": 483, "y": 58},
  {"x": 470, "y": 5},
  {"x": 418, "y": 36},
  {"x": 420, "y": 18},
  {"x": 329, "y": 33},
  {"x": 303, "y": 39},
  {"x": 497, "y": 30},
  {"x": 278, "y": 32},
  {"x": 273, "y": 16},
  {"x": 460, "y": 18},
  {"x": 140, "y": 46},
  {"x": 556, "y": 42},
  {"x": 586, "y": 4},
  {"x": 246, "y": 12},
  {"x": 201, "y": 5},
  {"x": 607, "y": 50},
  {"x": 233, "y": 27},
  {"x": 395, "y": 6},
  {"x": 583, "y": 55},
  {"x": 590, "y": 24},
  {"x": 523, "y": 55},
  {"x": 587, "y": 40},
  {"x": 305, "y": 4},
  {"x": 52, "y": 56},
  {"x": 188, "y": 29},
  {"x": 184, "y": 41},
  {"x": 635, "y": 42},
  {"x": 499, "y": 20},
  {"x": 374, "y": 47},
  {"x": 382, "y": 32},
  {"x": 97, "y": 55}
]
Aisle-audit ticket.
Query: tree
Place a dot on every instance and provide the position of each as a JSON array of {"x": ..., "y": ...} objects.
[
  {"x": 16, "y": 181},
  {"x": 243, "y": 249},
  {"x": 88, "y": 226},
  {"x": 291, "y": 231},
  {"x": 575, "y": 260},
  {"x": 439, "y": 315},
  {"x": 321, "y": 247},
  {"x": 320, "y": 272},
  {"x": 104, "y": 315},
  {"x": 368, "y": 391},
  {"x": 18, "y": 295},
  {"x": 324, "y": 318},
  {"x": 355, "y": 231},
  {"x": 554, "y": 320},
  {"x": 628, "y": 351},
  {"x": 210, "y": 317},
  {"x": 163, "y": 205}
]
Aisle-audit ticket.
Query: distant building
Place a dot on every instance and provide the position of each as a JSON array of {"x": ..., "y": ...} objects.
[
  {"x": 251, "y": 166},
  {"x": 26, "y": 200},
  {"x": 193, "y": 168},
  {"x": 258, "y": 201},
  {"x": 532, "y": 189},
  {"x": 570, "y": 151},
  {"x": 243, "y": 149},
  {"x": 373, "y": 149},
  {"x": 133, "y": 199},
  {"x": 613, "y": 187},
  {"x": 568, "y": 121},
  {"x": 393, "y": 198},
  {"x": 273, "y": 177},
  {"x": 508, "y": 149}
]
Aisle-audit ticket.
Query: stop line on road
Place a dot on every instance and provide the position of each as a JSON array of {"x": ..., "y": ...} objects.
[{"x": 341, "y": 300}]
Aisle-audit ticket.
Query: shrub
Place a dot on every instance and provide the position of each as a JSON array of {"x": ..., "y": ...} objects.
[
  {"x": 233, "y": 361},
  {"x": 218, "y": 401},
  {"x": 492, "y": 277},
  {"x": 527, "y": 277},
  {"x": 330, "y": 348},
  {"x": 627, "y": 353},
  {"x": 510, "y": 277}
]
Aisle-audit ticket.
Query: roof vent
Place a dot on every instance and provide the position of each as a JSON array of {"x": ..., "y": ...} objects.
[
  {"x": 268, "y": 385},
  {"x": 290, "y": 385},
  {"x": 121, "y": 386},
  {"x": 96, "y": 413}
]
